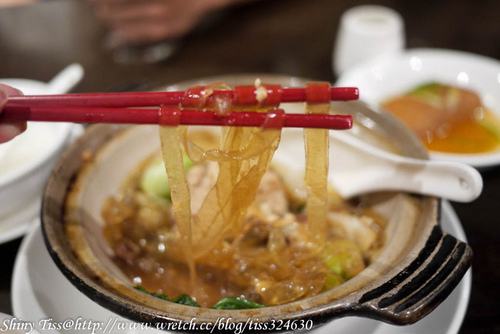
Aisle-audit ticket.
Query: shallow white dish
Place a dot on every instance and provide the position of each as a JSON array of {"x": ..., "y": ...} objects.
[
  {"x": 390, "y": 76},
  {"x": 40, "y": 291},
  {"x": 16, "y": 225},
  {"x": 27, "y": 160},
  {"x": 25, "y": 164}
]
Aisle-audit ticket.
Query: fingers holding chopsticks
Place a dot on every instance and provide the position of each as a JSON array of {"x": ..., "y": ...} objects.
[{"x": 9, "y": 130}]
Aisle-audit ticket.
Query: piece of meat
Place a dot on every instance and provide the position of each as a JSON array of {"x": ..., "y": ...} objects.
[
  {"x": 271, "y": 196},
  {"x": 357, "y": 229},
  {"x": 127, "y": 250},
  {"x": 271, "y": 200}
]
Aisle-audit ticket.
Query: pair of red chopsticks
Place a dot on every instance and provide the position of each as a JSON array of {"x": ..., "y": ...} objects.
[{"x": 179, "y": 107}]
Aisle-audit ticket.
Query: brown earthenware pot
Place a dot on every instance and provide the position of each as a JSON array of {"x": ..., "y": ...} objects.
[{"x": 418, "y": 268}]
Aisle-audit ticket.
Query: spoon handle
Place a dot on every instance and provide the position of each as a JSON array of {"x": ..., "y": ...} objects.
[
  {"x": 65, "y": 80},
  {"x": 451, "y": 180},
  {"x": 379, "y": 170}
]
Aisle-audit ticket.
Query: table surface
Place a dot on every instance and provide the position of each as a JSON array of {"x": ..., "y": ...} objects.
[{"x": 290, "y": 37}]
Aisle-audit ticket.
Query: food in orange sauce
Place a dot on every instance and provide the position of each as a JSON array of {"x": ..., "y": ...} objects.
[
  {"x": 222, "y": 223},
  {"x": 447, "y": 119}
]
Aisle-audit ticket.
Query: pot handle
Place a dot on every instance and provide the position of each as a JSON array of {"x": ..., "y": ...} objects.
[{"x": 420, "y": 287}]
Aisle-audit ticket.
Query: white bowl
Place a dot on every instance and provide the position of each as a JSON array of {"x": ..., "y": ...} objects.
[
  {"x": 388, "y": 77},
  {"x": 26, "y": 163}
]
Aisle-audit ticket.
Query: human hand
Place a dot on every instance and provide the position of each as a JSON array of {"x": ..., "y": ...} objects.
[
  {"x": 9, "y": 130},
  {"x": 151, "y": 21}
]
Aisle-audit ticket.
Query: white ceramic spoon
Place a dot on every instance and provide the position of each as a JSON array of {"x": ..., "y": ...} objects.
[
  {"x": 357, "y": 167},
  {"x": 61, "y": 83},
  {"x": 65, "y": 80}
]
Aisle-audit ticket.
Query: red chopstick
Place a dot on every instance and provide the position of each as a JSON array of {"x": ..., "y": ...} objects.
[
  {"x": 241, "y": 95},
  {"x": 169, "y": 115},
  {"x": 116, "y": 107}
]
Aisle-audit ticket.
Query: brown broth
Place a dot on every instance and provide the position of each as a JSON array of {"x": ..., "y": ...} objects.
[{"x": 144, "y": 236}]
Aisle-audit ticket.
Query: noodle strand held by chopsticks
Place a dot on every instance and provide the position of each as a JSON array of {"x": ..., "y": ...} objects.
[
  {"x": 225, "y": 207},
  {"x": 243, "y": 156},
  {"x": 316, "y": 143},
  {"x": 171, "y": 138}
]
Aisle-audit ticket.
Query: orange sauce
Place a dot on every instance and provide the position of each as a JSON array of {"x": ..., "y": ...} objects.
[
  {"x": 448, "y": 119},
  {"x": 479, "y": 135}
]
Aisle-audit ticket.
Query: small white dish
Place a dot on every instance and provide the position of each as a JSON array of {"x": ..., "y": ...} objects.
[
  {"x": 23, "y": 173},
  {"x": 40, "y": 291},
  {"x": 384, "y": 78},
  {"x": 27, "y": 160}
]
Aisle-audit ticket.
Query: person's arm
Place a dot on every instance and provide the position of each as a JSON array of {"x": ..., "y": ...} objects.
[{"x": 150, "y": 21}]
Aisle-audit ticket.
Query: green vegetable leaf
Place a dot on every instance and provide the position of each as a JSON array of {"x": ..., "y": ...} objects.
[
  {"x": 429, "y": 93},
  {"x": 154, "y": 180},
  {"x": 332, "y": 280},
  {"x": 185, "y": 300},
  {"x": 335, "y": 263},
  {"x": 230, "y": 303},
  {"x": 490, "y": 127},
  {"x": 181, "y": 299},
  {"x": 430, "y": 87},
  {"x": 141, "y": 288},
  {"x": 188, "y": 163},
  {"x": 235, "y": 303}
]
